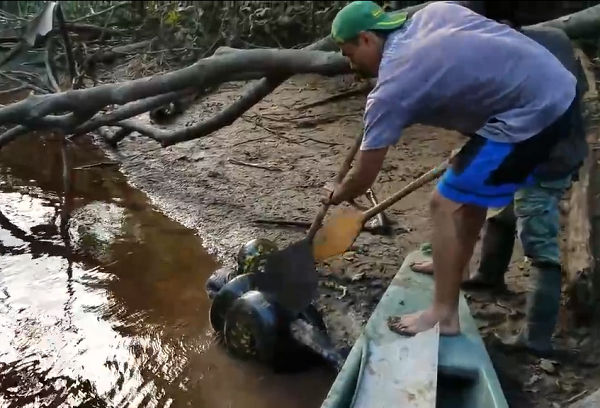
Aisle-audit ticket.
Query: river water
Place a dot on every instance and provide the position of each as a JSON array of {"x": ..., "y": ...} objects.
[{"x": 102, "y": 300}]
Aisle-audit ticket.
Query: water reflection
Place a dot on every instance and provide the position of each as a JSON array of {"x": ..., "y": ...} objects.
[{"x": 115, "y": 315}]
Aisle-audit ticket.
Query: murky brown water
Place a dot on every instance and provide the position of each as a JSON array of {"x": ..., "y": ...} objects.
[{"x": 117, "y": 316}]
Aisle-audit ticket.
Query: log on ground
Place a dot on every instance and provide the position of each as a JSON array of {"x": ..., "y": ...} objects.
[{"x": 579, "y": 260}]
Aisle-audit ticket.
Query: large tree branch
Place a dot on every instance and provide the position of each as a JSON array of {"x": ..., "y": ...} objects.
[
  {"x": 585, "y": 22},
  {"x": 206, "y": 71},
  {"x": 251, "y": 97},
  {"x": 77, "y": 125},
  {"x": 277, "y": 65},
  {"x": 227, "y": 116}
]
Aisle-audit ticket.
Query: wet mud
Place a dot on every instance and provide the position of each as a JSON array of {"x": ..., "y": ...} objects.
[
  {"x": 102, "y": 300},
  {"x": 126, "y": 324},
  {"x": 207, "y": 185}
]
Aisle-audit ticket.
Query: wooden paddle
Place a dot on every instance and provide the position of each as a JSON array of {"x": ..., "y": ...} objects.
[
  {"x": 342, "y": 229},
  {"x": 290, "y": 276},
  {"x": 346, "y": 165}
]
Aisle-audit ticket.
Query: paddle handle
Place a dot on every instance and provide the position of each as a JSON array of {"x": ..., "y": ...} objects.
[
  {"x": 415, "y": 185},
  {"x": 346, "y": 165}
]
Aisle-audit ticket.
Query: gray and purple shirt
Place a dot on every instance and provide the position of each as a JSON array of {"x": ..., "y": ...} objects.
[{"x": 452, "y": 68}]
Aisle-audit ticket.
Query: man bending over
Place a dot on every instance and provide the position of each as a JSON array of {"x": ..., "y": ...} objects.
[{"x": 450, "y": 67}]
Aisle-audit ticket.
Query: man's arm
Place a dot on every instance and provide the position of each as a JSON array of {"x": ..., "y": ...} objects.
[
  {"x": 384, "y": 121},
  {"x": 403, "y": 92},
  {"x": 364, "y": 174}
]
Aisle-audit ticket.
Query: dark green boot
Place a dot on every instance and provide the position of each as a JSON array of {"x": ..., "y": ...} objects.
[
  {"x": 496, "y": 250},
  {"x": 543, "y": 304}
]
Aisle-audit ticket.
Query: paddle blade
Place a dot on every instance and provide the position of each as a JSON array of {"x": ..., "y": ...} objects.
[
  {"x": 289, "y": 277},
  {"x": 337, "y": 234}
]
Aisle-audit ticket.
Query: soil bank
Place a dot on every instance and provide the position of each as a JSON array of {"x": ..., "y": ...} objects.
[{"x": 202, "y": 185}]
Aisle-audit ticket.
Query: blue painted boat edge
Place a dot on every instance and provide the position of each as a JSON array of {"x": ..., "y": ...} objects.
[{"x": 409, "y": 292}]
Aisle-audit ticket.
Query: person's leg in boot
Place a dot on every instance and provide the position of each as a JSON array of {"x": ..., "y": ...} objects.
[
  {"x": 455, "y": 231},
  {"x": 496, "y": 251},
  {"x": 538, "y": 225}
]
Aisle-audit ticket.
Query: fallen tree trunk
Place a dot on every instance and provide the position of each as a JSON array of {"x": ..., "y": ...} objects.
[
  {"x": 113, "y": 53},
  {"x": 579, "y": 260},
  {"x": 278, "y": 65},
  {"x": 583, "y": 24},
  {"x": 591, "y": 401},
  {"x": 207, "y": 71}
]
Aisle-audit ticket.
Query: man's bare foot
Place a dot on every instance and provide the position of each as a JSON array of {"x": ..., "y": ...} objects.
[
  {"x": 414, "y": 323},
  {"x": 424, "y": 267}
]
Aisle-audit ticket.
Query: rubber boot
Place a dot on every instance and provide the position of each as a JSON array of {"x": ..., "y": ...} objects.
[
  {"x": 496, "y": 251},
  {"x": 543, "y": 304}
]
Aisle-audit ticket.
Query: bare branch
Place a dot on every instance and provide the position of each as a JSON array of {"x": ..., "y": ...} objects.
[
  {"x": 211, "y": 70},
  {"x": 227, "y": 116},
  {"x": 99, "y": 13}
]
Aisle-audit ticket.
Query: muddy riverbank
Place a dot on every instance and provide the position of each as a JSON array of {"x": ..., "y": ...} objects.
[
  {"x": 114, "y": 313},
  {"x": 205, "y": 185},
  {"x": 111, "y": 311}
]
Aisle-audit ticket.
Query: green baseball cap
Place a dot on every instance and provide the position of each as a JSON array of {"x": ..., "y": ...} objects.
[{"x": 363, "y": 16}]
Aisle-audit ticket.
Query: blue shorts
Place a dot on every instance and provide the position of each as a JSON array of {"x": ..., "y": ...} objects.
[{"x": 488, "y": 173}]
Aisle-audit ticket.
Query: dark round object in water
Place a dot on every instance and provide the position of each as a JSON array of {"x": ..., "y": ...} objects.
[
  {"x": 226, "y": 296},
  {"x": 218, "y": 279},
  {"x": 252, "y": 327},
  {"x": 251, "y": 256},
  {"x": 257, "y": 328}
]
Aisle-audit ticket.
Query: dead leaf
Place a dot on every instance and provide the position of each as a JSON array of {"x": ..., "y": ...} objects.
[
  {"x": 349, "y": 256},
  {"x": 548, "y": 366},
  {"x": 535, "y": 378},
  {"x": 565, "y": 386},
  {"x": 357, "y": 277}
]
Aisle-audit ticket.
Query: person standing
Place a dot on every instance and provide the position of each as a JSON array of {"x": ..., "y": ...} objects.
[{"x": 450, "y": 67}]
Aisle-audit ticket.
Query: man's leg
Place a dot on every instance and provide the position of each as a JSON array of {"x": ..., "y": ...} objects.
[
  {"x": 455, "y": 230},
  {"x": 458, "y": 210},
  {"x": 498, "y": 240},
  {"x": 484, "y": 174},
  {"x": 538, "y": 224}
]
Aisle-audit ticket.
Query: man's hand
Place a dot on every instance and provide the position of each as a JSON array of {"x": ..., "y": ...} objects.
[
  {"x": 359, "y": 180},
  {"x": 338, "y": 195},
  {"x": 331, "y": 187}
]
